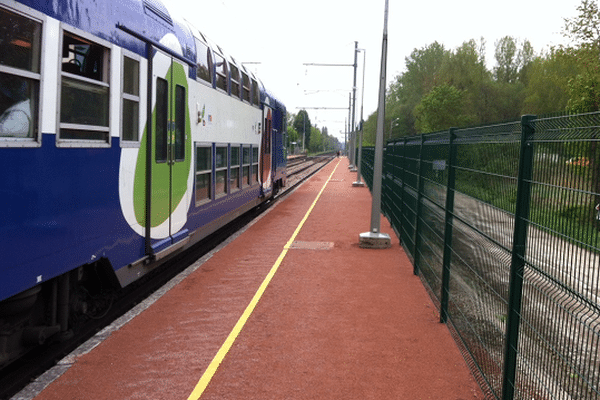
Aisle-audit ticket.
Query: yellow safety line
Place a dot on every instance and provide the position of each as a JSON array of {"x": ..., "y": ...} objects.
[{"x": 212, "y": 368}]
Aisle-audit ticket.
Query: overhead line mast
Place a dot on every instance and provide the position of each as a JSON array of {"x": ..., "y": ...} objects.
[{"x": 352, "y": 106}]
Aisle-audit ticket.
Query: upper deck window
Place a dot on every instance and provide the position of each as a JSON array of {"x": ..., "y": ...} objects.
[
  {"x": 20, "y": 59},
  {"x": 255, "y": 93},
  {"x": 203, "y": 62},
  {"x": 221, "y": 68},
  {"x": 84, "y": 101},
  {"x": 235, "y": 80},
  {"x": 245, "y": 87}
]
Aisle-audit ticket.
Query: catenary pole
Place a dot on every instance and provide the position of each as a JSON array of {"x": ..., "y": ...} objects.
[
  {"x": 350, "y": 139},
  {"x": 353, "y": 116},
  {"x": 359, "y": 182},
  {"x": 374, "y": 238}
]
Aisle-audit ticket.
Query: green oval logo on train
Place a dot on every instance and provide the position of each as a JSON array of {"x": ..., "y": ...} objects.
[{"x": 171, "y": 150}]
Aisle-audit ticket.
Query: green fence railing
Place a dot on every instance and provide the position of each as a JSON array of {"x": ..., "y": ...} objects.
[{"x": 501, "y": 223}]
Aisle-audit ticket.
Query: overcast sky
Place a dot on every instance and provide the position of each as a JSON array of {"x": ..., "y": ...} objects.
[{"x": 284, "y": 35}]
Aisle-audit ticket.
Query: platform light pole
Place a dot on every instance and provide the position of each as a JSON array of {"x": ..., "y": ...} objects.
[{"x": 374, "y": 239}]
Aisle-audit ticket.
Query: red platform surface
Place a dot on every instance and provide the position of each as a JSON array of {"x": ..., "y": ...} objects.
[{"x": 332, "y": 320}]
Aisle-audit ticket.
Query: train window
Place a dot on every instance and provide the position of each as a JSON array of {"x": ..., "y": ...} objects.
[
  {"x": 245, "y": 87},
  {"x": 162, "y": 119},
  {"x": 246, "y": 166},
  {"x": 221, "y": 162},
  {"x": 20, "y": 57},
  {"x": 234, "y": 178},
  {"x": 84, "y": 96},
  {"x": 235, "y": 80},
  {"x": 221, "y": 68},
  {"x": 255, "y": 93},
  {"x": 203, "y": 174},
  {"x": 130, "y": 114},
  {"x": 203, "y": 62},
  {"x": 255, "y": 164},
  {"x": 179, "y": 123}
]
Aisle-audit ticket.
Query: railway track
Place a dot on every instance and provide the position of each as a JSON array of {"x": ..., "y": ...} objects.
[
  {"x": 20, "y": 379},
  {"x": 300, "y": 166}
]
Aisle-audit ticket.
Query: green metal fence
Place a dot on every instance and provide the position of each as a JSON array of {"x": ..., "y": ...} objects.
[{"x": 502, "y": 226}]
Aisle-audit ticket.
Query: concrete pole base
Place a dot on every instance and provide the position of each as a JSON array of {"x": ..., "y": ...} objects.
[
  {"x": 372, "y": 240},
  {"x": 358, "y": 184}
]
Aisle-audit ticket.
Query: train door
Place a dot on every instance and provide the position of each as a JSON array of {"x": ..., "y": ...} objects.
[
  {"x": 171, "y": 147},
  {"x": 266, "y": 164}
]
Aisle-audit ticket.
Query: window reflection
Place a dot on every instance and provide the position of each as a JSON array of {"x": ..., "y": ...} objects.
[
  {"x": 204, "y": 62},
  {"x": 20, "y": 44},
  {"x": 19, "y": 41},
  {"x": 221, "y": 68},
  {"x": 18, "y": 100}
]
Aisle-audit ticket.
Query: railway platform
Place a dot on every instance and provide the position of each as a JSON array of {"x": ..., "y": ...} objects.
[{"x": 291, "y": 308}]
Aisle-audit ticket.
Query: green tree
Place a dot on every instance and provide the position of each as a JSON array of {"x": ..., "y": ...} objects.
[
  {"x": 584, "y": 30},
  {"x": 331, "y": 142},
  {"x": 316, "y": 140},
  {"x": 512, "y": 61},
  {"x": 303, "y": 125},
  {"x": 421, "y": 75},
  {"x": 548, "y": 77},
  {"x": 370, "y": 129},
  {"x": 328, "y": 142},
  {"x": 508, "y": 88},
  {"x": 584, "y": 88},
  {"x": 292, "y": 137},
  {"x": 443, "y": 107},
  {"x": 465, "y": 70},
  {"x": 506, "y": 59}
]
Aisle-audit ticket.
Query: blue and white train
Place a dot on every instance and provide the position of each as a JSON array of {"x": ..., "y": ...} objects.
[{"x": 125, "y": 136}]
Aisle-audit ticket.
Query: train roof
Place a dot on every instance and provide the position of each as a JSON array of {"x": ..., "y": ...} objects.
[
  {"x": 148, "y": 18},
  {"x": 268, "y": 98}
]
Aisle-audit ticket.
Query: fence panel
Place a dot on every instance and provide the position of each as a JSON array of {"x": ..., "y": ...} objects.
[
  {"x": 516, "y": 278},
  {"x": 560, "y": 330}
]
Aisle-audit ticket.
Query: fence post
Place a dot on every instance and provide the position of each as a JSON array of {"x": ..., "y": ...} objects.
[
  {"x": 384, "y": 184},
  {"x": 448, "y": 226},
  {"x": 417, "y": 241},
  {"x": 518, "y": 256},
  {"x": 402, "y": 165}
]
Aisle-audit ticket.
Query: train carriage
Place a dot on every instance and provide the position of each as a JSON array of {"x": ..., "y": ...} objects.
[{"x": 125, "y": 136}]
